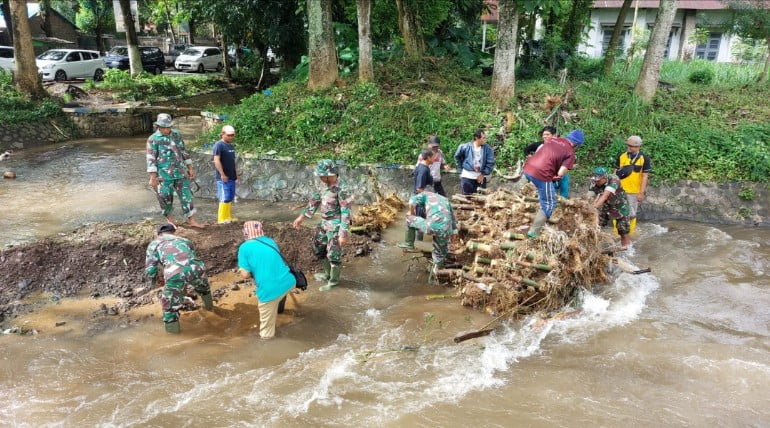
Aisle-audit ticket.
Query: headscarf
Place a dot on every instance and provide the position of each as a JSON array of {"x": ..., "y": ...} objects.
[{"x": 252, "y": 229}]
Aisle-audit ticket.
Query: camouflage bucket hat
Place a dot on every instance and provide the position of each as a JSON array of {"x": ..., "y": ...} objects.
[
  {"x": 164, "y": 121},
  {"x": 326, "y": 168},
  {"x": 598, "y": 173}
]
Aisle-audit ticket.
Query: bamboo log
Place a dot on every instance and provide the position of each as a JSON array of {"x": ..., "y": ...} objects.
[
  {"x": 511, "y": 235},
  {"x": 449, "y": 272},
  {"x": 543, "y": 267},
  {"x": 464, "y": 207},
  {"x": 358, "y": 229},
  {"x": 439, "y": 296},
  {"x": 531, "y": 199}
]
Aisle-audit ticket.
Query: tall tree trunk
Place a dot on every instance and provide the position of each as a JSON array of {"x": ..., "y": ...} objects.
[
  {"x": 135, "y": 60},
  {"x": 323, "y": 56},
  {"x": 409, "y": 25},
  {"x": 99, "y": 32},
  {"x": 365, "y": 67},
  {"x": 653, "y": 58},
  {"x": 6, "y": 9},
  {"x": 504, "y": 73},
  {"x": 763, "y": 75},
  {"x": 573, "y": 27},
  {"x": 191, "y": 25},
  {"x": 225, "y": 59},
  {"x": 170, "y": 24},
  {"x": 26, "y": 79},
  {"x": 45, "y": 17},
  {"x": 617, "y": 32}
]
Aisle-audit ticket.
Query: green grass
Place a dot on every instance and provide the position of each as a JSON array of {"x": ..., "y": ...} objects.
[
  {"x": 147, "y": 87},
  {"x": 16, "y": 108},
  {"x": 715, "y": 132}
]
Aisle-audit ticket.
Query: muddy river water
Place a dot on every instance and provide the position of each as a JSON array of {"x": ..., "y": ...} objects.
[{"x": 688, "y": 345}]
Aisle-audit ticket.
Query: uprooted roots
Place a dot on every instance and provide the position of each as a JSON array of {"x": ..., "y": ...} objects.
[{"x": 504, "y": 272}]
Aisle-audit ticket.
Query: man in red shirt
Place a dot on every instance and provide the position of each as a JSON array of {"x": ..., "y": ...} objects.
[{"x": 549, "y": 164}]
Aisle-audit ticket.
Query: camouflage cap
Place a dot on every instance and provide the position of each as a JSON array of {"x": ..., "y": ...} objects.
[
  {"x": 164, "y": 121},
  {"x": 326, "y": 168},
  {"x": 599, "y": 172}
]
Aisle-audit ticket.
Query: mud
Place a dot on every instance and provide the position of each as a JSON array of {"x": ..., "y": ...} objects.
[{"x": 107, "y": 260}]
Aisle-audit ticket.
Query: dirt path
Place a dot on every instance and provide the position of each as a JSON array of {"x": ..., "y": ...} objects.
[{"x": 107, "y": 260}]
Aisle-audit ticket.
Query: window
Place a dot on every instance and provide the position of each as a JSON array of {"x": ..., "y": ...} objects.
[
  {"x": 212, "y": 51},
  {"x": 607, "y": 35},
  {"x": 73, "y": 56},
  {"x": 710, "y": 50},
  {"x": 674, "y": 30},
  {"x": 6, "y": 53}
]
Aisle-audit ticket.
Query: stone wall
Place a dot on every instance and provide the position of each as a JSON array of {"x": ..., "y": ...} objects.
[
  {"x": 110, "y": 122},
  {"x": 286, "y": 180},
  {"x": 33, "y": 134}
]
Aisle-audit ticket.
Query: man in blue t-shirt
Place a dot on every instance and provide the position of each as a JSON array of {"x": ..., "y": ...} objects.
[
  {"x": 225, "y": 174},
  {"x": 259, "y": 257}
]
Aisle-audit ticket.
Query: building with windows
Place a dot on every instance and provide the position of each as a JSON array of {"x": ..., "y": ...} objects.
[{"x": 690, "y": 14}]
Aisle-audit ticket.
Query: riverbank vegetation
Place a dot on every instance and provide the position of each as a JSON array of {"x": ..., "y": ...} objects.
[
  {"x": 713, "y": 131},
  {"x": 18, "y": 107},
  {"x": 147, "y": 87}
]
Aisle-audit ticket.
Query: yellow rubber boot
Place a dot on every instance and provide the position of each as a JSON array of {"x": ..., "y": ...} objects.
[
  {"x": 230, "y": 212},
  {"x": 222, "y": 214}
]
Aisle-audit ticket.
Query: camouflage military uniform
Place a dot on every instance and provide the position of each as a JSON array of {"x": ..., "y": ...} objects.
[
  {"x": 616, "y": 206},
  {"x": 181, "y": 266},
  {"x": 167, "y": 156},
  {"x": 334, "y": 205},
  {"x": 439, "y": 222}
]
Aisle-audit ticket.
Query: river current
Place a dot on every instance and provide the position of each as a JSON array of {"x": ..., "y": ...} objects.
[{"x": 687, "y": 345}]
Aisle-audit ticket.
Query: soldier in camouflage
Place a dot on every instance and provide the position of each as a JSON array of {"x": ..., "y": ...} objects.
[
  {"x": 611, "y": 202},
  {"x": 170, "y": 169},
  {"x": 439, "y": 221},
  {"x": 334, "y": 229},
  {"x": 181, "y": 267}
]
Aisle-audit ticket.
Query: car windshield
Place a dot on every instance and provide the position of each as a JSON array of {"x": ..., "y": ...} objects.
[
  {"x": 119, "y": 50},
  {"x": 192, "y": 52},
  {"x": 52, "y": 55}
]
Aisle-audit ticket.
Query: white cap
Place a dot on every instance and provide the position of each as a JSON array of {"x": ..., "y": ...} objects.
[{"x": 227, "y": 129}]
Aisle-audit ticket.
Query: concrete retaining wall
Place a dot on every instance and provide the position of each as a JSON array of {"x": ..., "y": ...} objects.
[
  {"x": 34, "y": 134},
  {"x": 286, "y": 180}
]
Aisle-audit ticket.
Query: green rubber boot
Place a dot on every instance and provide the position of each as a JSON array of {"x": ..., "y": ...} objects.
[
  {"x": 326, "y": 273},
  {"x": 172, "y": 327},
  {"x": 334, "y": 278},
  {"x": 409, "y": 237},
  {"x": 537, "y": 224},
  {"x": 208, "y": 301}
]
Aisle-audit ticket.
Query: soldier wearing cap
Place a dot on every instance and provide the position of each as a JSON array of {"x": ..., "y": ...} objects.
[
  {"x": 181, "y": 267},
  {"x": 611, "y": 202},
  {"x": 225, "y": 173},
  {"x": 634, "y": 183},
  {"x": 170, "y": 168},
  {"x": 334, "y": 229}
]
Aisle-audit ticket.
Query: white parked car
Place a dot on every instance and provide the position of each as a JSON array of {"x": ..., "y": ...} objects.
[
  {"x": 66, "y": 64},
  {"x": 6, "y": 59},
  {"x": 200, "y": 59}
]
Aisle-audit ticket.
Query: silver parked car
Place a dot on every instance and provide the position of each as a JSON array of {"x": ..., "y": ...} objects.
[
  {"x": 65, "y": 64},
  {"x": 200, "y": 59}
]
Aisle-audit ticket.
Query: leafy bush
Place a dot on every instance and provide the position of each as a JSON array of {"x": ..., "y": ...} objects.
[
  {"x": 695, "y": 132},
  {"x": 704, "y": 76},
  {"x": 17, "y": 108},
  {"x": 148, "y": 87}
]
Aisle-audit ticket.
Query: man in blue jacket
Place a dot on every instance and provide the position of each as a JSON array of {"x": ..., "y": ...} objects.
[{"x": 476, "y": 160}]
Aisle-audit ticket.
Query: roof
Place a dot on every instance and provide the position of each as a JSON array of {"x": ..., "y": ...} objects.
[
  {"x": 492, "y": 16},
  {"x": 653, "y": 4},
  {"x": 33, "y": 9}
]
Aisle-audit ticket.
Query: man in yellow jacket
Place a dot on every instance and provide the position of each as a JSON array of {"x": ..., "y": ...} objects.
[{"x": 633, "y": 168}]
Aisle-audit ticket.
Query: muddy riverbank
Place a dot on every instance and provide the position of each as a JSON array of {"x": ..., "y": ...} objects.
[{"x": 107, "y": 260}]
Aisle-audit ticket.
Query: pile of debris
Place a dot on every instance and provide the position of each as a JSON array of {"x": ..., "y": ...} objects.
[
  {"x": 500, "y": 270},
  {"x": 377, "y": 216}
]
